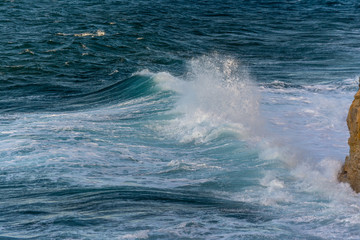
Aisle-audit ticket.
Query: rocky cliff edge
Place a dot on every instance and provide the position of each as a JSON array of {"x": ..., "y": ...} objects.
[{"x": 350, "y": 171}]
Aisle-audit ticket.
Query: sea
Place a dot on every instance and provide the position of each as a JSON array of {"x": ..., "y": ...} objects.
[{"x": 177, "y": 119}]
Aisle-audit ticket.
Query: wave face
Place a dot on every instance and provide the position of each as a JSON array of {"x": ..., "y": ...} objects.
[{"x": 176, "y": 119}]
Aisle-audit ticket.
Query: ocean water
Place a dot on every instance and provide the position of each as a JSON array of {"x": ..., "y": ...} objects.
[{"x": 177, "y": 119}]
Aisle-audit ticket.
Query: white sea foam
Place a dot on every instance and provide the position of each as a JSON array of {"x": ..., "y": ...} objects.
[
  {"x": 98, "y": 33},
  {"x": 216, "y": 93},
  {"x": 143, "y": 234}
]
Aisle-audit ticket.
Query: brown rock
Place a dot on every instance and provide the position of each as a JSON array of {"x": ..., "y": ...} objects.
[{"x": 350, "y": 171}]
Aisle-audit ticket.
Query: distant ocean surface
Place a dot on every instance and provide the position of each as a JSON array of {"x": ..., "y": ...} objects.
[{"x": 177, "y": 119}]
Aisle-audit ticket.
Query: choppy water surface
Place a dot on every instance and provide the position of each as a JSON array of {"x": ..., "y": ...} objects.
[{"x": 176, "y": 119}]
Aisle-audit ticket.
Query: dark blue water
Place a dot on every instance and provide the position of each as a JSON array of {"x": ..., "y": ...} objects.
[{"x": 176, "y": 119}]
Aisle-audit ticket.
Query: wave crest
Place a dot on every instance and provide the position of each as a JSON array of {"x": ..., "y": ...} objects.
[{"x": 216, "y": 93}]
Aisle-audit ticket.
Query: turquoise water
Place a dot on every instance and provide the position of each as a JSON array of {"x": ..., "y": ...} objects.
[{"x": 176, "y": 119}]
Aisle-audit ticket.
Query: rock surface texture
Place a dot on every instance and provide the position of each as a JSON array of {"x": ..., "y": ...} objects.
[{"x": 350, "y": 171}]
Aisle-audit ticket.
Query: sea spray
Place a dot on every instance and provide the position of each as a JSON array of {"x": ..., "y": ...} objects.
[{"x": 216, "y": 94}]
